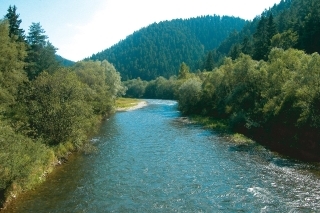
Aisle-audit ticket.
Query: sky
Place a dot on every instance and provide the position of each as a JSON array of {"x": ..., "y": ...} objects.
[{"x": 80, "y": 28}]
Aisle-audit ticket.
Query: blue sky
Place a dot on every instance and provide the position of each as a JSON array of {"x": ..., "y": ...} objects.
[{"x": 79, "y": 28}]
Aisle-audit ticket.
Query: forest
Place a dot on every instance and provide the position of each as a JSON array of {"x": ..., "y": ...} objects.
[
  {"x": 262, "y": 82},
  {"x": 47, "y": 109},
  {"x": 260, "y": 78},
  {"x": 158, "y": 49}
]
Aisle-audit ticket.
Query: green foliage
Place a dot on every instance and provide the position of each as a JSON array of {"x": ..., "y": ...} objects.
[
  {"x": 36, "y": 35},
  {"x": 104, "y": 84},
  {"x": 15, "y": 31},
  {"x": 289, "y": 24},
  {"x": 184, "y": 71},
  {"x": 277, "y": 101},
  {"x": 58, "y": 111},
  {"x": 41, "y": 53},
  {"x": 308, "y": 93},
  {"x": 266, "y": 29},
  {"x": 209, "y": 63},
  {"x": 285, "y": 40},
  {"x": 135, "y": 88},
  {"x": 64, "y": 62},
  {"x": 160, "y": 48},
  {"x": 12, "y": 55},
  {"x": 50, "y": 114},
  {"x": 23, "y": 161},
  {"x": 160, "y": 88},
  {"x": 97, "y": 94},
  {"x": 190, "y": 93}
]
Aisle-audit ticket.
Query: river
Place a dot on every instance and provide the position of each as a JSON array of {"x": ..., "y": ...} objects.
[{"x": 151, "y": 160}]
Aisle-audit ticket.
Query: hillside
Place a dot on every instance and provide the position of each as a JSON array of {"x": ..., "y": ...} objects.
[
  {"x": 159, "y": 49},
  {"x": 64, "y": 62},
  {"x": 296, "y": 24}
]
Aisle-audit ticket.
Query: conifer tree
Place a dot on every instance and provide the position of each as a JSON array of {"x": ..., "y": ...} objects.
[
  {"x": 261, "y": 40},
  {"x": 14, "y": 24},
  {"x": 41, "y": 53},
  {"x": 266, "y": 29},
  {"x": 209, "y": 64}
]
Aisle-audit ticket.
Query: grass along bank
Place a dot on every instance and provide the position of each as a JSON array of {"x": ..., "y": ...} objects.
[
  {"x": 127, "y": 104},
  {"x": 221, "y": 126}
]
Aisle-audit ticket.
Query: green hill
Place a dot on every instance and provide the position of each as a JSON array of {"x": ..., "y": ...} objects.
[
  {"x": 160, "y": 48},
  {"x": 296, "y": 24}
]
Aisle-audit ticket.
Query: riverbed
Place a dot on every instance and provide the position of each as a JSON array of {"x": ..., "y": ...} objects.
[{"x": 151, "y": 160}]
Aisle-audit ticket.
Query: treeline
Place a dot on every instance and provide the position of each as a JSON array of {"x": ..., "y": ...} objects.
[
  {"x": 160, "y": 88},
  {"x": 289, "y": 24},
  {"x": 46, "y": 110},
  {"x": 276, "y": 102},
  {"x": 157, "y": 50}
]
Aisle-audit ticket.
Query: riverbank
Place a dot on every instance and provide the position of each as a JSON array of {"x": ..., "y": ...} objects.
[
  {"x": 221, "y": 126},
  {"x": 38, "y": 161},
  {"x": 129, "y": 104},
  {"x": 261, "y": 137},
  {"x": 173, "y": 166}
]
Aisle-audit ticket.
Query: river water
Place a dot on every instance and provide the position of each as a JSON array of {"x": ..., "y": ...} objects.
[{"x": 151, "y": 160}]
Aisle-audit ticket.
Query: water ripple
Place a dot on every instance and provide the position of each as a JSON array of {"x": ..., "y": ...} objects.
[{"x": 151, "y": 160}]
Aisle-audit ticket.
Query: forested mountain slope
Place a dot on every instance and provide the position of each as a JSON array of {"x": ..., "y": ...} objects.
[
  {"x": 159, "y": 49},
  {"x": 289, "y": 24}
]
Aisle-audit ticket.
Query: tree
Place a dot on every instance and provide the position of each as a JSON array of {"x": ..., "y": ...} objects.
[
  {"x": 36, "y": 35},
  {"x": 266, "y": 29},
  {"x": 285, "y": 40},
  {"x": 12, "y": 75},
  {"x": 261, "y": 40},
  {"x": 272, "y": 28},
  {"x": 209, "y": 64},
  {"x": 135, "y": 88},
  {"x": 58, "y": 111},
  {"x": 14, "y": 24},
  {"x": 235, "y": 51},
  {"x": 104, "y": 84},
  {"x": 189, "y": 95},
  {"x": 113, "y": 79},
  {"x": 41, "y": 53},
  {"x": 309, "y": 39},
  {"x": 246, "y": 46},
  {"x": 184, "y": 71}
]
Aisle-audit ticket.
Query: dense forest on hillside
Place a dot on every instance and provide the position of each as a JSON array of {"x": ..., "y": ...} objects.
[
  {"x": 46, "y": 110},
  {"x": 291, "y": 23},
  {"x": 157, "y": 50}
]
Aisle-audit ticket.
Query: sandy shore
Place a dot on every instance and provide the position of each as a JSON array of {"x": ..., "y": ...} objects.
[{"x": 137, "y": 106}]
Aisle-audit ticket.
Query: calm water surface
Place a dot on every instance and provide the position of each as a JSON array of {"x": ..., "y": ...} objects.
[{"x": 150, "y": 160}]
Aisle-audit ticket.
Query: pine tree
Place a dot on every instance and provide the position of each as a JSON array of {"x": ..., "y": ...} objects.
[
  {"x": 36, "y": 35},
  {"x": 266, "y": 29},
  {"x": 209, "y": 64},
  {"x": 246, "y": 46},
  {"x": 14, "y": 24},
  {"x": 272, "y": 28},
  {"x": 41, "y": 53},
  {"x": 261, "y": 44}
]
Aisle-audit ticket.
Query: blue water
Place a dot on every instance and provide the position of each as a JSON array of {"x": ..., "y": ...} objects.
[{"x": 151, "y": 160}]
